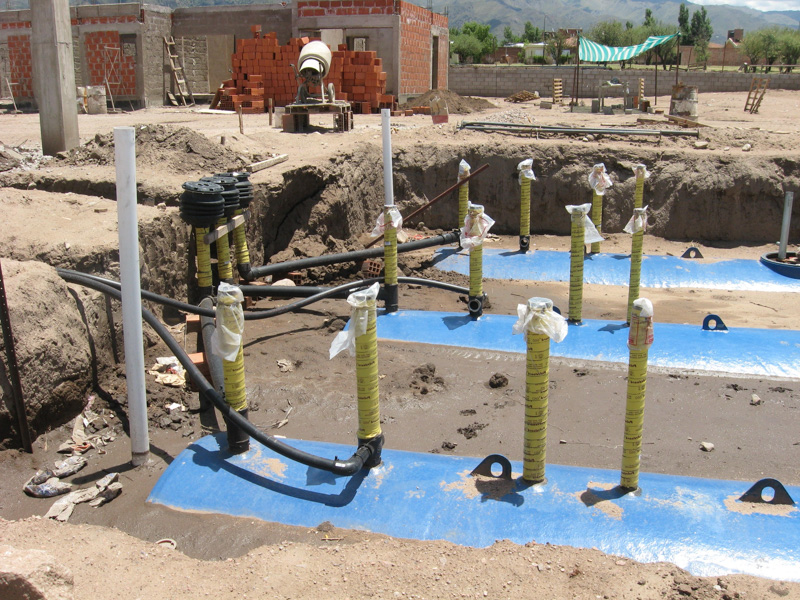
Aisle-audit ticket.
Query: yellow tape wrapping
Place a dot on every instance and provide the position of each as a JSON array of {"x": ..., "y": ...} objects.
[
  {"x": 525, "y": 207},
  {"x": 389, "y": 250},
  {"x": 476, "y": 271},
  {"x": 369, "y": 414},
  {"x": 636, "y": 270},
  {"x": 240, "y": 240},
  {"x": 235, "y": 393},
  {"x": 203, "y": 258},
  {"x": 463, "y": 203},
  {"x": 576, "y": 267},
  {"x": 638, "y": 194},
  {"x": 597, "y": 217},
  {"x": 634, "y": 419},
  {"x": 537, "y": 380},
  {"x": 224, "y": 267}
]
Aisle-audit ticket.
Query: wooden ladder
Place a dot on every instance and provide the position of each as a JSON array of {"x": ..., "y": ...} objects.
[
  {"x": 558, "y": 91},
  {"x": 183, "y": 94},
  {"x": 758, "y": 87}
]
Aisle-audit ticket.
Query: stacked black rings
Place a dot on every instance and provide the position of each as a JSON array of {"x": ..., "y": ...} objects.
[{"x": 202, "y": 203}]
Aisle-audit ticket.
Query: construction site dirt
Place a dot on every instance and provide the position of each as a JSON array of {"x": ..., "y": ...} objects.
[{"x": 721, "y": 191}]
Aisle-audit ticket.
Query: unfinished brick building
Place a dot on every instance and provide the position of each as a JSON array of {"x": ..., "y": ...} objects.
[{"x": 122, "y": 44}]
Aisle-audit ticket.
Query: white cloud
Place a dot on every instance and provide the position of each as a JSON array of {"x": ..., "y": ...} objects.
[{"x": 763, "y": 5}]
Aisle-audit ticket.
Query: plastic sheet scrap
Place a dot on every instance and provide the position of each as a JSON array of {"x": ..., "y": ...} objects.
[
  {"x": 47, "y": 483},
  {"x": 599, "y": 179},
  {"x": 525, "y": 169},
  {"x": 227, "y": 338},
  {"x": 476, "y": 227},
  {"x": 640, "y": 170},
  {"x": 102, "y": 492},
  {"x": 359, "y": 317},
  {"x": 168, "y": 371},
  {"x": 463, "y": 169},
  {"x": 591, "y": 235},
  {"x": 397, "y": 222},
  {"x": 637, "y": 222},
  {"x": 538, "y": 316}
]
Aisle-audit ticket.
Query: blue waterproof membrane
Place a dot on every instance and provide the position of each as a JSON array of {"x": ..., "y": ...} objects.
[
  {"x": 615, "y": 269},
  {"x": 697, "y": 524},
  {"x": 759, "y": 352}
]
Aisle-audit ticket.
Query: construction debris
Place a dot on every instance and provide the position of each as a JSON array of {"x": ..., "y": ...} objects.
[{"x": 523, "y": 96}]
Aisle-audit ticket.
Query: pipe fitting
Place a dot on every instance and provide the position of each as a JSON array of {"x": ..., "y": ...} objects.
[
  {"x": 238, "y": 440},
  {"x": 524, "y": 243},
  {"x": 475, "y": 305},
  {"x": 375, "y": 447}
]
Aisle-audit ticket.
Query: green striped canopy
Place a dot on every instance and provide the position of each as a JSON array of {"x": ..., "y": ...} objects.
[{"x": 593, "y": 52}]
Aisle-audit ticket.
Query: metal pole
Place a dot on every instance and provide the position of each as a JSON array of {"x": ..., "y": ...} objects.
[
  {"x": 13, "y": 369},
  {"x": 788, "y": 200},
  {"x": 128, "y": 227}
]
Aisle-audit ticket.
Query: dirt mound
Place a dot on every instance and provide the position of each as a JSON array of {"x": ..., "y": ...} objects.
[
  {"x": 177, "y": 149},
  {"x": 456, "y": 104}
]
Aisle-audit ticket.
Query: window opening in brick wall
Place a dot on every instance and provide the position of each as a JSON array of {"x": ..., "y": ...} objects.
[
  {"x": 128, "y": 41},
  {"x": 359, "y": 44},
  {"x": 435, "y": 63}
]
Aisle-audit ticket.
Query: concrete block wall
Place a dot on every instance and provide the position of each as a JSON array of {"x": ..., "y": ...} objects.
[
  {"x": 338, "y": 8},
  {"x": 154, "y": 64},
  {"x": 502, "y": 81},
  {"x": 193, "y": 51},
  {"x": 232, "y": 20}
]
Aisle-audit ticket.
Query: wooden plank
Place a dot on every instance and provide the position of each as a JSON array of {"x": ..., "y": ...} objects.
[
  {"x": 685, "y": 122},
  {"x": 213, "y": 235},
  {"x": 258, "y": 166}
]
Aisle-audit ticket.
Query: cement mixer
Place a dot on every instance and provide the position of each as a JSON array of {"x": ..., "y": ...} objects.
[{"x": 312, "y": 67}]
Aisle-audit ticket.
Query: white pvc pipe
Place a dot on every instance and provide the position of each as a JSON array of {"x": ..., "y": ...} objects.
[
  {"x": 787, "y": 220},
  {"x": 388, "y": 180},
  {"x": 128, "y": 228}
]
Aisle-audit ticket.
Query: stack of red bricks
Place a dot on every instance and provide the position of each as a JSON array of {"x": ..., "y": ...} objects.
[{"x": 262, "y": 69}]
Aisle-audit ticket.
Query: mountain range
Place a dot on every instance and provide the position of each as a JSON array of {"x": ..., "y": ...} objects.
[{"x": 555, "y": 14}]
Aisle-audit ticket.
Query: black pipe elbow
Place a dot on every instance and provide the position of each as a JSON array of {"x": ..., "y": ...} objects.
[
  {"x": 245, "y": 271},
  {"x": 475, "y": 305},
  {"x": 524, "y": 243}
]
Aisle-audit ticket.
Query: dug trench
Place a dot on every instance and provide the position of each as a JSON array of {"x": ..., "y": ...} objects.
[{"x": 433, "y": 399}]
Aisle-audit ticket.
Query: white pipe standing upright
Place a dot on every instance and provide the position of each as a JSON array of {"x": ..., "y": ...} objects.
[
  {"x": 787, "y": 220},
  {"x": 388, "y": 180},
  {"x": 128, "y": 228}
]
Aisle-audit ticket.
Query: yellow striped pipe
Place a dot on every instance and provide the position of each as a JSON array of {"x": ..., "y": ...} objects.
[
  {"x": 537, "y": 380},
  {"x": 240, "y": 240},
  {"x": 597, "y": 218},
  {"x": 203, "y": 251},
  {"x": 640, "y": 337},
  {"x": 525, "y": 207},
  {"x": 224, "y": 268},
  {"x": 576, "y": 266},
  {"x": 463, "y": 193},
  {"x": 389, "y": 248},
  {"x": 636, "y": 263},
  {"x": 369, "y": 416}
]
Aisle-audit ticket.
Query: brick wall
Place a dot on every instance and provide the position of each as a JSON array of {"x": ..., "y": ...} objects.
[
  {"x": 415, "y": 49},
  {"x": 105, "y": 60},
  {"x": 328, "y": 8},
  {"x": 20, "y": 64},
  {"x": 502, "y": 81}
]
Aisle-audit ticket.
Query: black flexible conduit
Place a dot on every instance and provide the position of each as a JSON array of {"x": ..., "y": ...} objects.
[
  {"x": 339, "y": 467},
  {"x": 358, "y": 255},
  {"x": 256, "y": 290}
]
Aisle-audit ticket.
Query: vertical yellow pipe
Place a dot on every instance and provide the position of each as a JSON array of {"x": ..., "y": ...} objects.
[
  {"x": 389, "y": 248},
  {"x": 224, "y": 267},
  {"x": 476, "y": 259},
  {"x": 640, "y": 338},
  {"x": 369, "y": 416},
  {"x": 240, "y": 240},
  {"x": 636, "y": 263},
  {"x": 203, "y": 258},
  {"x": 463, "y": 193},
  {"x": 638, "y": 194},
  {"x": 597, "y": 218},
  {"x": 525, "y": 207},
  {"x": 576, "y": 266},
  {"x": 537, "y": 380}
]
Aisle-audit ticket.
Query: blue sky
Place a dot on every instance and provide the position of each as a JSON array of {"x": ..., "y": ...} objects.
[{"x": 756, "y": 4}]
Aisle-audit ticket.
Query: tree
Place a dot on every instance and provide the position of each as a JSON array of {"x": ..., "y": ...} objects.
[
  {"x": 665, "y": 53},
  {"x": 531, "y": 34},
  {"x": 790, "y": 47},
  {"x": 556, "y": 46},
  {"x": 509, "y": 37},
  {"x": 683, "y": 23},
  {"x": 700, "y": 28},
  {"x": 608, "y": 33},
  {"x": 466, "y": 47},
  {"x": 771, "y": 44},
  {"x": 649, "y": 19},
  {"x": 753, "y": 47}
]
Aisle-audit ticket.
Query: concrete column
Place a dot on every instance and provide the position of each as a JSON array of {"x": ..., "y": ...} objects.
[{"x": 54, "y": 74}]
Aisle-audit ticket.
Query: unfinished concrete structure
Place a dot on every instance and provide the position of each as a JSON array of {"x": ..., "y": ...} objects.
[{"x": 121, "y": 46}]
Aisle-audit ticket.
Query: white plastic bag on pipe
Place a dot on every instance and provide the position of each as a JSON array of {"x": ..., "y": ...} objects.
[
  {"x": 397, "y": 222},
  {"x": 476, "y": 228},
  {"x": 590, "y": 235},
  {"x": 525, "y": 169},
  {"x": 641, "y": 169},
  {"x": 538, "y": 316},
  {"x": 463, "y": 169},
  {"x": 599, "y": 180},
  {"x": 638, "y": 221},
  {"x": 227, "y": 337},
  {"x": 359, "y": 316},
  {"x": 640, "y": 334}
]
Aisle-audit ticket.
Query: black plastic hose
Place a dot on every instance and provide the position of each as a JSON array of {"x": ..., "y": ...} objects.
[
  {"x": 358, "y": 255},
  {"x": 339, "y": 467}
]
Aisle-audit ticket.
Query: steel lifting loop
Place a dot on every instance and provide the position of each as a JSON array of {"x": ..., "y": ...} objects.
[
  {"x": 719, "y": 325},
  {"x": 485, "y": 467},
  {"x": 692, "y": 252},
  {"x": 755, "y": 493}
]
